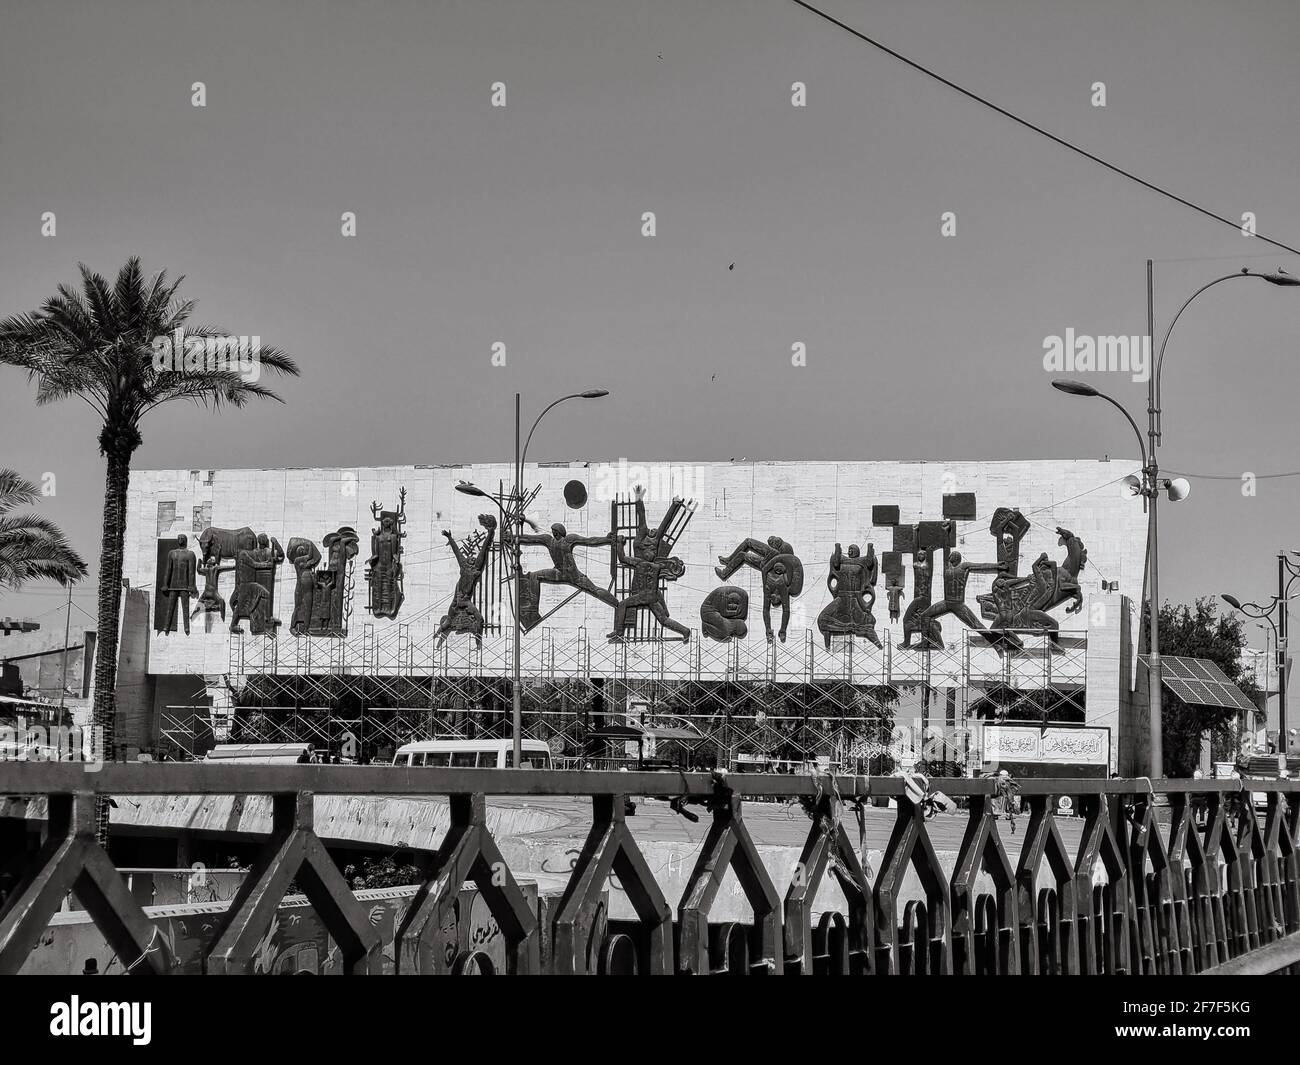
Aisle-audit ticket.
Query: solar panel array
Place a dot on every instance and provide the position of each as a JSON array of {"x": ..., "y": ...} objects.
[{"x": 1200, "y": 682}]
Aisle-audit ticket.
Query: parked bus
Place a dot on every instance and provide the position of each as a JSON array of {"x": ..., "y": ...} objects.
[{"x": 472, "y": 754}]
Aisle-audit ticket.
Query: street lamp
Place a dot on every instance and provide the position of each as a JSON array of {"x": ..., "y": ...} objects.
[
  {"x": 1152, "y": 484},
  {"x": 514, "y": 519},
  {"x": 1277, "y": 277},
  {"x": 1149, "y": 488},
  {"x": 1287, "y": 573}
]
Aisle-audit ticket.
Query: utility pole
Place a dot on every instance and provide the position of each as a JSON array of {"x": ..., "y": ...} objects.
[
  {"x": 1151, "y": 476},
  {"x": 67, "y": 626},
  {"x": 1283, "y": 590}
]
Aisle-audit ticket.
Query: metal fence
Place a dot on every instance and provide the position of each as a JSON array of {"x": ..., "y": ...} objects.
[{"x": 1170, "y": 876}]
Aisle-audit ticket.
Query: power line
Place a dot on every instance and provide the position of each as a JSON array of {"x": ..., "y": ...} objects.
[
  {"x": 1217, "y": 258},
  {"x": 1036, "y": 128},
  {"x": 1234, "y": 476}
]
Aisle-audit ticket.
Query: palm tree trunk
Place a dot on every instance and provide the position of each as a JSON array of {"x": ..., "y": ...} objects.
[{"x": 112, "y": 548}]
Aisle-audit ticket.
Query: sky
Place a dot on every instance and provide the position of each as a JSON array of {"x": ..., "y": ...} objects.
[{"x": 523, "y": 225}]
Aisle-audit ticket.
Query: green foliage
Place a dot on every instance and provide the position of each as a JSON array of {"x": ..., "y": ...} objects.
[
  {"x": 31, "y": 548},
  {"x": 95, "y": 343},
  {"x": 1199, "y": 632},
  {"x": 384, "y": 873}
]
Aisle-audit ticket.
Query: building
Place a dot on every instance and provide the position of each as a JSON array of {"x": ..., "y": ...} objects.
[{"x": 347, "y": 659}]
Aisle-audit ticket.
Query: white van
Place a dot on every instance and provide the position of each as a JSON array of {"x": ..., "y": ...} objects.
[{"x": 472, "y": 754}]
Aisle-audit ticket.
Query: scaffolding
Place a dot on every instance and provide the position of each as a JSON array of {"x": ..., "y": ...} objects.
[{"x": 854, "y": 706}]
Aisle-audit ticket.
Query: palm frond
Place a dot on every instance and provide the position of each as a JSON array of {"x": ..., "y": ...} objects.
[
  {"x": 15, "y": 491},
  {"x": 99, "y": 299},
  {"x": 24, "y": 526},
  {"x": 129, "y": 292},
  {"x": 96, "y": 344}
]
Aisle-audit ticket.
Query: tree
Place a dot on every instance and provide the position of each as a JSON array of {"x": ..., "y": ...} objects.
[
  {"x": 1199, "y": 632},
  {"x": 31, "y": 548},
  {"x": 98, "y": 344}
]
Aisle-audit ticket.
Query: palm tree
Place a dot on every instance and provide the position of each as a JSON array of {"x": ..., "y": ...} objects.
[
  {"x": 97, "y": 344},
  {"x": 31, "y": 548}
]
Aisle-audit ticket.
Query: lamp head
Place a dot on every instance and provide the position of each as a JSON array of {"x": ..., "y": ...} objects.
[
  {"x": 1232, "y": 601},
  {"x": 1179, "y": 488},
  {"x": 470, "y": 489},
  {"x": 1132, "y": 485},
  {"x": 1075, "y": 388},
  {"x": 1281, "y": 278},
  {"x": 595, "y": 393}
]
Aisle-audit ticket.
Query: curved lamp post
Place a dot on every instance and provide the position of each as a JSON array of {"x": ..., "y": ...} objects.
[
  {"x": 514, "y": 519},
  {"x": 1149, "y": 488},
  {"x": 1287, "y": 573},
  {"x": 1152, "y": 484}
]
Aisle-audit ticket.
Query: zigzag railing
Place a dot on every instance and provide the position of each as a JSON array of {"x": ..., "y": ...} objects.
[{"x": 1170, "y": 876}]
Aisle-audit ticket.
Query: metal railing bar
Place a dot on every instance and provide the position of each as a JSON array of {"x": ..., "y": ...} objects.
[
  {"x": 1262, "y": 961},
  {"x": 17, "y": 778}
]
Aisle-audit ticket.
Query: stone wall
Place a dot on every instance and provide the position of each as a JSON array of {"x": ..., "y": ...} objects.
[{"x": 813, "y": 505}]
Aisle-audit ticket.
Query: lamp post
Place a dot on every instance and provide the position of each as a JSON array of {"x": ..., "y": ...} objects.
[
  {"x": 1151, "y": 482},
  {"x": 514, "y": 519},
  {"x": 1287, "y": 572},
  {"x": 1149, "y": 488}
]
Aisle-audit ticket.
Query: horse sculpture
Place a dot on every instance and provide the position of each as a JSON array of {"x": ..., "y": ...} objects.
[{"x": 1025, "y": 602}]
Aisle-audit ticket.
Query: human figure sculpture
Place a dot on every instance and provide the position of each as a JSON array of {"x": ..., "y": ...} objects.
[
  {"x": 891, "y": 564},
  {"x": 211, "y": 601},
  {"x": 215, "y": 547},
  {"x": 850, "y": 580},
  {"x": 253, "y": 597},
  {"x": 647, "y": 570},
  {"x": 559, "y": 543},
  {"x": 724, "y": 613},
  {"x": 304, "y": 556},
  {"x": 955, "y": 575},
  {"x": 1025, "y": 602},
  {"x": 651, "y": 564},
  {"x": 1008, "y": 527},
  {"x": 914, "y": 621},
  {"x": 651, "y": 543},
  {"x": 1015, "y": 602},
  {"x": 463, "y": 615},
  {"x": 179, "y": 583},
  {"x": 332, "y": 597},
  {"x": 780, "y": 571},
  {"x": 384, "y": 571}
]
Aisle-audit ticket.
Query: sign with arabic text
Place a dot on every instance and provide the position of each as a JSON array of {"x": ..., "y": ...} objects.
[{"x": 1054, "y": 745}]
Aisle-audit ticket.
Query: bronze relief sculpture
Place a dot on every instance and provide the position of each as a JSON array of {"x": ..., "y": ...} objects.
[
  {"x": 471, "y": 559},
  {"x": 724, "y": 613},
  {"x": 179, "y": 583},
  {"x": 780, "y": 571},
  {"x": 215, "y": 547},
  {"x": 956, "y": 573},
  {"x": 652, "y": 567},
  {"x": 559, "y": 543},
  {"x": 323, "y": 598},
  {"x": 1024, "y": 602},
  {"x": 915, "y": 621},
  {"x": 254, "y": 595},
  {"x": 384, "y": 566},
  {"x": 850, "y": 580}
]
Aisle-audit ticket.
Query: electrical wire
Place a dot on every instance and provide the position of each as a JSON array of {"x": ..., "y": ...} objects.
[
  {"x": 1036, "y": 128},
  {"x": 1234, "y": 476}
]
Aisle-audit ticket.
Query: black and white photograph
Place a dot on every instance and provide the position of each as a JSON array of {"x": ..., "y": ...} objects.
[{"x": 600, "y": 487}]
